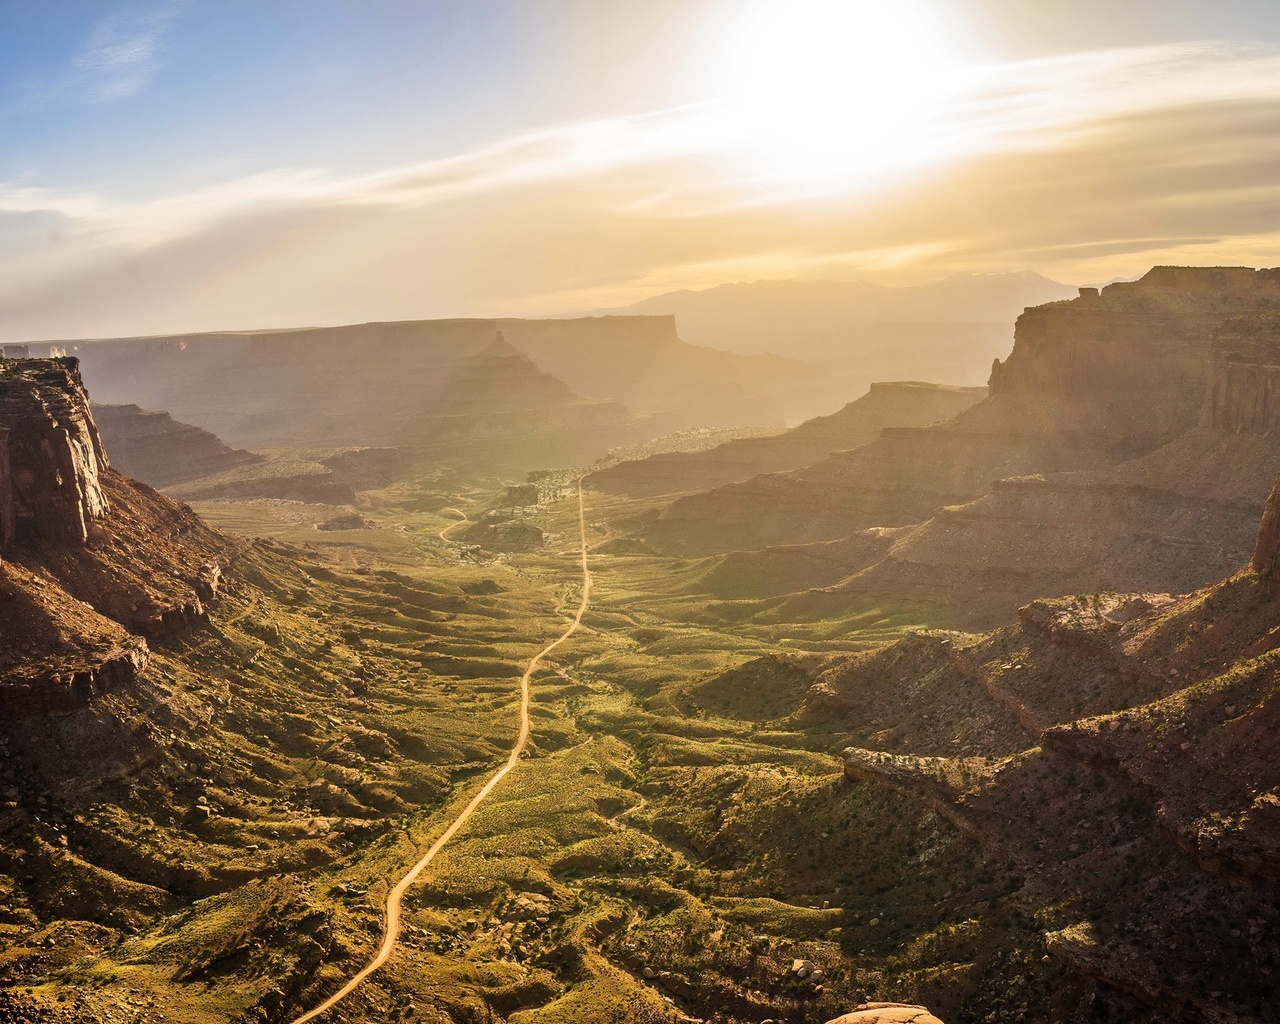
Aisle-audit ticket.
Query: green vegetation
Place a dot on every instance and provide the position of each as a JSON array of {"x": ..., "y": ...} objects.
[{"x": 674, "y": 841}]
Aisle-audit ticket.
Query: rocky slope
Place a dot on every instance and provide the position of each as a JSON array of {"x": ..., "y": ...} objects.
[
  {"x": 157, "y": 449},
  {"x": 416, "y": 381},
  {"x": 1136, "y": 430},
  {"x": 153, "y": 755},
  {"x": 895, "y": 404},
  {"x": 96, "y": 564},
  {"x": 1118, "y": 754}
]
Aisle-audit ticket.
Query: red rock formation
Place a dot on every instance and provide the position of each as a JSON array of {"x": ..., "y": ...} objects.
[
  {"x": 55, "y": 456},
  {"x": 159, "y": 450},
  {"x": 96, "y": 565},
  {"x": 1266, "y": 553}
]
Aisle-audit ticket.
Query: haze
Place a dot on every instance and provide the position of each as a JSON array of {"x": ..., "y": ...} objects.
[{"x": 189, "y": 165}]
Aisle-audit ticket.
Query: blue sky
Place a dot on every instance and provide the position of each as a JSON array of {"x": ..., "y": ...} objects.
[{"x": 167, "y": 164}]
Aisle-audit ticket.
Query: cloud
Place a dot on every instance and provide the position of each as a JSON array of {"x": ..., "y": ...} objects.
[
  {"x": 1086, "y": 167},
  {"x": 122, "y": 54}
]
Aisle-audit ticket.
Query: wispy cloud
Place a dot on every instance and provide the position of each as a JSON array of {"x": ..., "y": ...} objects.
[
  {"x": 1086, "y": 167},
  {"x": 122, "y": 54}
]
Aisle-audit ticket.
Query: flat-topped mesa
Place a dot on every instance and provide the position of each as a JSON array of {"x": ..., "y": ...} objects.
[
  {"x": 1137, "y": 358},
  {"x": 50, "y": 487}
]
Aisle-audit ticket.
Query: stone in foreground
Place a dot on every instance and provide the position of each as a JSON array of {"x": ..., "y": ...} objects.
[{"x": 887, "y": 1013}]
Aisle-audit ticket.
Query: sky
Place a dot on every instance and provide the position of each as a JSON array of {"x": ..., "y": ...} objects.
[{"x": 171, "y": 165}]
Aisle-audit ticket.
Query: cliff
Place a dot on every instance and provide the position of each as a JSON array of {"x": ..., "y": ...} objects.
[
  {"x": 55, "y": 458},
  {"x": 893, "y": 404},
  {"x": 1114, "y": 756},
  {"x": 159, "y": 450},
  {"x": 95, "y": 565},
  {"x": 1139, "y": 420},
  {"x": 1266, "y": 553},
  {"x": 411, "y": 383}
]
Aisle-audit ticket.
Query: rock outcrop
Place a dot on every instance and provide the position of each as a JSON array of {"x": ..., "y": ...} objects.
[
  {"x": 55, "y": 458},
  {"x": 892, "y": 404},
  {"x": 1266, "y": 553},
  {"x": 1127, "y": 443},
  {"x": 95, "y": 565},
  {"x": 157, "y": 449},
  {"x": 1118, "y": 753},
  {"x": 887, "y": 1013}
]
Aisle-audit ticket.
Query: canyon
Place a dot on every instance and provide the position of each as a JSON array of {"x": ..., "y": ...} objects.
[
  {"x": 581, "y": 384},
  {"x": 1124, "y": 440},
  {"x": 963, "y": 701}
]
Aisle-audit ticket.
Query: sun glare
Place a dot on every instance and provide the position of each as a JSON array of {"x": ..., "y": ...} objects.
[{"x": 839, "y": 89}]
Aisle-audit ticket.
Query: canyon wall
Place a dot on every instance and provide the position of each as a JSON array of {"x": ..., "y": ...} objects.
[
  {"x": 1141, "y": 420},
  {"x": 52, "y": 488},
  {"x": 95, "y": 566},
  {"x": 159, "y": 450},
  {"x": 888, "y": 404},
  {"x": 395, "y": 383}
]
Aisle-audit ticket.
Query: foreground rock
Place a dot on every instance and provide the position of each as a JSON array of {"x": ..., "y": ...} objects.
[
  {"x": 51, "y": 458},
  {"x": 1118, "y": 756},
  {"x": 887, "y": 1013},
  {"x": 95, "y": 565}
]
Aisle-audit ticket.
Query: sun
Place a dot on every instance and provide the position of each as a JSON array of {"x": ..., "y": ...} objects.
[{"x": 836, "y": 89}]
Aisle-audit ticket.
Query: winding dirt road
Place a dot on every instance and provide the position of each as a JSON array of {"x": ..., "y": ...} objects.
[
  {"x": 464, "y": 519},
  {"x": 391, "y": 929}
]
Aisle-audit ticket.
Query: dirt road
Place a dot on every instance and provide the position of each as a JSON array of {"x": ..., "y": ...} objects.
[
  {"x": 391, "y": 930},
  {"x": 464, "y": 519}
]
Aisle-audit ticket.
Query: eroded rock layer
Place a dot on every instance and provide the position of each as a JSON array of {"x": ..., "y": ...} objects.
[
  {"x": 1128, "y": 441},
  {"x": 159, "y": 450},
  {"x": 892, "y": 404},
  {"x": 55, "y": 457},
  {"x": 95, "y": 564}
]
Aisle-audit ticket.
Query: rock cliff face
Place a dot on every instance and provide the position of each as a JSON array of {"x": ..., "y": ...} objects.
[
  {"x": 1141, "y": 418},
  {"x": 892, "y": 404},
  {"x": 55, "y": 457},
  {"x": 1135, "y": 359},
  {"x": 95, "y": 565},
  {"x": 420, "y": 384},
  {"x": 1266, "y": 553},
  {"x": 1117, "y": 754},
  {"x": 157, "y": 449},
  {"x": 1143, "y": 801}
]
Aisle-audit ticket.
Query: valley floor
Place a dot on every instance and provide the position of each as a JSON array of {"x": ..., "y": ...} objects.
[{"x": 675, "y": 840}]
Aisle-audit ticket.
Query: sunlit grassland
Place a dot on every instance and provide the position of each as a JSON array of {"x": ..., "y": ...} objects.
[{"x": 364, "y": 683}]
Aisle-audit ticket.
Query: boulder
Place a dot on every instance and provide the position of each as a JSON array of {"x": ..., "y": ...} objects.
[{"x": 887, "y": 1013}]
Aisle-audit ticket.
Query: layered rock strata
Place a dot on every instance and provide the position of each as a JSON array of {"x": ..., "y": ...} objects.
[
  {"x": 1127, "y": 443},
  {"x": 159, "y": 450},
  {"x": 95, "y": 565},
  {"x": 55, "y": 456},
  {"x": 1117, "y": 753},
  {"x": 891, "y": 404}
]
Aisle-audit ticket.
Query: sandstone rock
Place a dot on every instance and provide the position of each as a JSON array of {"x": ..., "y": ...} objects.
[
  {"x": 157, "y": 449},
  {"x": 887, "y": 1013},
  {"x": 1266, "y": 553},
  {"x": 55, "y": 456},
  {"x": 893, "y": 404}
]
